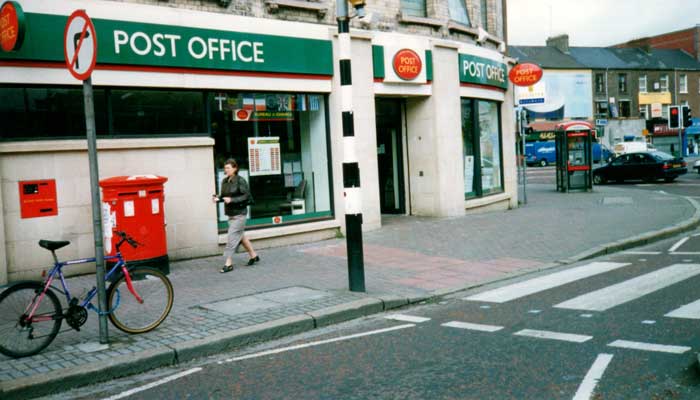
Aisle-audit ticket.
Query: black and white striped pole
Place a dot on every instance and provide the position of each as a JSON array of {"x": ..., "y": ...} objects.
[{"x": 351, "y": 168}]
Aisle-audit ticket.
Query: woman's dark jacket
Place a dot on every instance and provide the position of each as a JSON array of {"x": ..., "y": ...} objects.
[{"x": 237, "y": 189}]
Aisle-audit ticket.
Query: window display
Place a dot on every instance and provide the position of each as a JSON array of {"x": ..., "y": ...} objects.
[
  {"x": 483, "y": 171},
  {"x": 280, "y": 141}
]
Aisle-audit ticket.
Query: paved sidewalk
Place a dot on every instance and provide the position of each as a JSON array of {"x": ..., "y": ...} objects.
[{"x": 298, "y": 288}]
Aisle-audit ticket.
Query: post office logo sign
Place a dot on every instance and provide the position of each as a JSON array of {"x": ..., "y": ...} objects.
[
  {"x": 12, "y": 26},
  {"x": 407, "y": 64}
]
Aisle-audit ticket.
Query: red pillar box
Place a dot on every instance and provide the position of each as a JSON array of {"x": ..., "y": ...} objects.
[{"x": 134, "y": 204}]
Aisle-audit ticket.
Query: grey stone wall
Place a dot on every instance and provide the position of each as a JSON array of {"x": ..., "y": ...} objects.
[{"x": 384, "y": 14}]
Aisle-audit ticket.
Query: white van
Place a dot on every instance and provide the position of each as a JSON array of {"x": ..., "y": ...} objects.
[{"x": 632, "y": 147}]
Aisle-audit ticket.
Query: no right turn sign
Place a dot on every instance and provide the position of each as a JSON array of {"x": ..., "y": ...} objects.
[{"x": 80, "y": 45}]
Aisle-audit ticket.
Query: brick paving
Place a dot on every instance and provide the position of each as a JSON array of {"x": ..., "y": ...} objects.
[{"x": 409, "y": 256}]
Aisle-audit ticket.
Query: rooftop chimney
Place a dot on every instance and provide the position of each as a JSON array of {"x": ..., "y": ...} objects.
[{"x": 560, "y": 42}]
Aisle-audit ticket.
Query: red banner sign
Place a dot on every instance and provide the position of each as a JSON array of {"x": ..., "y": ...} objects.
[
  {"x": 11, "y": 26},
  {"x": 525, "y": 74},
  {"x": 407, "y": 64}
]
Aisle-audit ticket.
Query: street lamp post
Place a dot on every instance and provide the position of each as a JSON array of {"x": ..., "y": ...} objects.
[{"x": 351, "y": 169}]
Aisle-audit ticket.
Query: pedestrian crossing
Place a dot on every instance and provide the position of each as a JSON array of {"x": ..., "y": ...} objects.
[{"x": 605, "y": 298}]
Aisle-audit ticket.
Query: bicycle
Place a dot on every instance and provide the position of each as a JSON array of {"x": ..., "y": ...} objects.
[{"x": 28, "y": 324}]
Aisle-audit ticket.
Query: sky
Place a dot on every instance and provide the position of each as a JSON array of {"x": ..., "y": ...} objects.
[{"x": 597, "y": 23}]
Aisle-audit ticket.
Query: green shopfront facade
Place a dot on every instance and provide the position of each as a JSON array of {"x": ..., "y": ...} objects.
[{"x": 178, "y": 91}]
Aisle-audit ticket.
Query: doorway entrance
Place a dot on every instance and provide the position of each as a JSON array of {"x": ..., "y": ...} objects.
[{"x": 389, "y": 117}]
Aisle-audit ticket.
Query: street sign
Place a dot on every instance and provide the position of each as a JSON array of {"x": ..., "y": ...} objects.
[
  {"x": 601, "y": 122},
  {"x": 80, "y": 45}
]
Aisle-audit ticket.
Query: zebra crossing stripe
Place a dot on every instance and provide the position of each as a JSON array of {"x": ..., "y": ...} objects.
[
  {"x": 566, "y": 337},
  {"x": 535, "y": 285},
  {"x": 472, "y": 327},
  {"x": 611, "y": 296},
  {"x": 688, "y": 311},
  {"x": 407, "y": 318},
  {"x": 662, "y": 348}
]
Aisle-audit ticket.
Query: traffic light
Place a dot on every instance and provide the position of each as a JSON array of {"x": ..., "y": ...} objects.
[
  {"x": 674, "y": 117},
  {"x": 686, "y": 115}
]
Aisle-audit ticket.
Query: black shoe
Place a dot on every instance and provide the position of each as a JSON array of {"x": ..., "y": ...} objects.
[
  {"x": 226, "y": 268},
  {"x": 253, "y": 260}
]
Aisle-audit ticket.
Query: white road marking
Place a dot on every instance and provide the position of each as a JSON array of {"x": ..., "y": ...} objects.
[
  {"x": 407, "y": 318},
  {"x": 642, "y": 253},
  {"x": 586, "y": 315},
  {"x": 662, "y": 348},
  {"x": 611, "y": 296},
  {"x": 566, "y": 337},
  {"x": 531, "y": 286},
  {"x": 688, "y": 311},
  {"x": 678, "y": 244},
  {"x": 590, "y": 381},
  {"x": 642, "y": 259},
  {"x": 685, "y": 253},
  {"x": 695, "y": 235},
  {"x": 648, "y": 322},
  {"x": 311, "y": 344},
  {"x": 472, "y": 327},
  {"x": 154, "y": 384},
  {"x": 534, "y": 311}
]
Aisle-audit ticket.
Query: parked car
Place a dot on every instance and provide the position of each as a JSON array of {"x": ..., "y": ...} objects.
[
  {"x": 697, "y": 166},
  {"x": 632, "y": 147},
  {"x": 647, "y": 166},
  {"x": 545, "y": 153}
]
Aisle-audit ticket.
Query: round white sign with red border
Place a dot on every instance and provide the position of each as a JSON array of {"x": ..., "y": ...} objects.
[{"x": 80, "y": 45}]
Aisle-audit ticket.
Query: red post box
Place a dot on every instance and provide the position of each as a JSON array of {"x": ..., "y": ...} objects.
[{"x": 134, "y": 204}]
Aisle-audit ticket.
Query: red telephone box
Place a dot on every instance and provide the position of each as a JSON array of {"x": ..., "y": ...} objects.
[
  {"x": 134, "y": 204},
  {"x": 574, "y": 141}
]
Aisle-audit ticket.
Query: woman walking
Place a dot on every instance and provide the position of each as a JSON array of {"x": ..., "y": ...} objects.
[{"x": 236, "y": 195}]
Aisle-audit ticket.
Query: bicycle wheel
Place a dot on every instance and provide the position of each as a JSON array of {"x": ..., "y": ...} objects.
[
  {"x": 18, "y": 338},
  {"x": 133, "y": 317}
]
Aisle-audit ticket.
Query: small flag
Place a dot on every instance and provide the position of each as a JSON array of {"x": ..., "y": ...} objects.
[
  {"x": 260, "y": 104},
  {"x": 248, "y": 102},
  {"x": 314, "y": 102}
]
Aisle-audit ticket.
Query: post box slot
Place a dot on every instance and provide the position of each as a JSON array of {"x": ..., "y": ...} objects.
[
  {"x": 128, "y": 194},
  {"x": 30, "y": 188}
]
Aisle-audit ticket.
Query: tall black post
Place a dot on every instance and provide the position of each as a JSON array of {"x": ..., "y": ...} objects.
[{"x": 351, "y": 169}]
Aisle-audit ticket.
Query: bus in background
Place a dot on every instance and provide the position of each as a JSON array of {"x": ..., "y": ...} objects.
[{"x": 545, "y": 153}]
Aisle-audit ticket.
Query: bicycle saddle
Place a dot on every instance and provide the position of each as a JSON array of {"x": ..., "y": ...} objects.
[{"x": 51, "y": 245}]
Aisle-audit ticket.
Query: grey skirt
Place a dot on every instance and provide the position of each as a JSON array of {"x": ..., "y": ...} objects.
[{"x": 236, "y": 230}]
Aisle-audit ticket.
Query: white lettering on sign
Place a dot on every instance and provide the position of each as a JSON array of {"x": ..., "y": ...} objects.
[
  {"x": 160, "y": 45},
  {"x": 142, "y": 44},
  {"x": 481, "y": 70}
]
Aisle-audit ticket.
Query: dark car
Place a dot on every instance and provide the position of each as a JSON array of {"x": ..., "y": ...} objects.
[{"x": 647, "y": 166}]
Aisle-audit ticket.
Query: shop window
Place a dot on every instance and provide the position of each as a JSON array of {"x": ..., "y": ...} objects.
[
  {"x": 458, "y": 11},
  {"x": 150, "y": 112},
  {"x": 414, "y": 8},
  {"x": 601, "y": 109},
  {"x": 644, "y": 111},
  {"x": 483, "y": 169},
  {"x": 47, "y": 112},
  {"x": 280, "y": 141}
]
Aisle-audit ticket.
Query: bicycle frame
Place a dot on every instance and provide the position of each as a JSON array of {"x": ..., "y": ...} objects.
[{"x": 57, "y": 269}]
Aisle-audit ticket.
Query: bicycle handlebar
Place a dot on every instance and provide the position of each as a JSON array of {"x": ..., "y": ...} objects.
[{"x": 126, "y": 238}]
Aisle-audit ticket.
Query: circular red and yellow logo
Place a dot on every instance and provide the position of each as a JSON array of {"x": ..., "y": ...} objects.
[
  {"x": 11, "y": 26},
  {"x": 407, "y": 64}
]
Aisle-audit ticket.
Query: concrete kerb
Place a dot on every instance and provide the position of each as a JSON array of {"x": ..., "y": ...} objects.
[
  {"x": 620, "y": 245},
  {"x": 164, "y": 356},
  {"x": 57, "y": 381}
]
